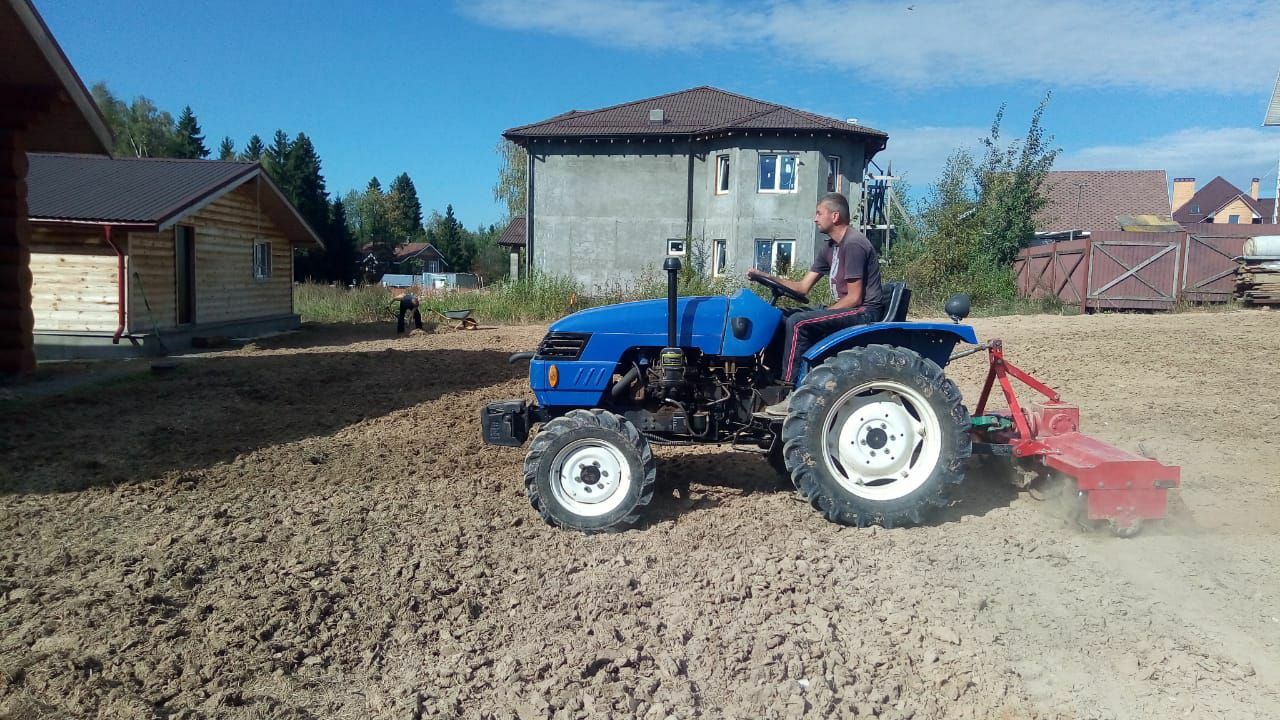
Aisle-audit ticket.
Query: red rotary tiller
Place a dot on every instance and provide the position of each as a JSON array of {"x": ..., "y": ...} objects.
[{"x": 1115, "y": 486}]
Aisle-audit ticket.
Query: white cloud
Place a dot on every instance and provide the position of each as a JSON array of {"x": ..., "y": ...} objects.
[
  {"x": 1237, "y": 154},
  {"x": 918, "y": 154},
  {"x": 1162, "y": 45}
]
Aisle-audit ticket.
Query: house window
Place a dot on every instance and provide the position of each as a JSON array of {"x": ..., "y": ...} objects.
[
  {"x": 719, "y": 255},
  {"x": 775, "y": 256},
  {"x": 433, "y": 266},
  {"x": 675, "y": 247},
  {"x": 1195, "y": 208},
  {"x": 722, "y": 174},
  {"x": 261, "y": 259},
  {"x": 777, "y": 173},
  {"x": 833, "y": 173}
]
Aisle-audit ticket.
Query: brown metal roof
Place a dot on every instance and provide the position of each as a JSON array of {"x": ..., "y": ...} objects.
[
  {"x": 513, "y": 236},
  {"x": 1093, "y": 199},
  {"x": 700, "y": 111},
  {"x": 145, "y": 191},
  {"x": 409, "y": 251}
]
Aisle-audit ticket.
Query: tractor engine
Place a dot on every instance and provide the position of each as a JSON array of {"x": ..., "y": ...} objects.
[{"x": 703, "y": 397}]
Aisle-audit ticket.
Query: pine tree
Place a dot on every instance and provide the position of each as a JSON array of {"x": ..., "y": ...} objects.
[
  {"x": 253, "y": 150},
  {"x": 340, "y": 249},
  {"x": 452, "y": 240},
  {"x": 227, "y": 149},
  {"x": 305, "y": 183},
  {"x": 276, "y": 159},
  {"x": 405, "y": 208},
  {"x": 188, "y": 142}
]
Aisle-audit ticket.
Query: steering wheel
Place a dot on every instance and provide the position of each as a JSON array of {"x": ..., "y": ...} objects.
[{"x": 780, "y": 290}]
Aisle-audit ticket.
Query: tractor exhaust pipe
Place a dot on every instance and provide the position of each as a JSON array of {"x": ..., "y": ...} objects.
[
  {"x": 672, "y": 358},
  {"x": 672, "y": 266}
]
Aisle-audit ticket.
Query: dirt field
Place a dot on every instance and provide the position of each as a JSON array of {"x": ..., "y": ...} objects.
[{"x": 310, "y": 528}]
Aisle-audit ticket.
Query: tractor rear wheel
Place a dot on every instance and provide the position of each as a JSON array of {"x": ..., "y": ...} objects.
[
  {"x": 590, "y": 470},
  {"x": 876, "y": 436}
]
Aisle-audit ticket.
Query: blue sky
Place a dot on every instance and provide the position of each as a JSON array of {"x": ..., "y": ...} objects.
[{"x": 428, "y": 87}]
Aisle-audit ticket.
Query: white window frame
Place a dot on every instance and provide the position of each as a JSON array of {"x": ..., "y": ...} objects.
[
  {"x": 777, "y": 173},
  {"x": 833, "y": 171},
  {"x": 262, "y": 263},
  {"x": 722, "y": 174},
  {"x": 718, "y": 248},
  {"x": 773, "y": 253},
  {"x": 1233, "y": 219},
  {"x": 681, "y": 243}
]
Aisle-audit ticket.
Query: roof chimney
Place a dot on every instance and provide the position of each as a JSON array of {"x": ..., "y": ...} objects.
[
  {"x": 656, "y": 116},
  {"x": 1183, "y": 189},
  {"x": 1253, "y": 188},
  {"x": 851, "y": 121}
]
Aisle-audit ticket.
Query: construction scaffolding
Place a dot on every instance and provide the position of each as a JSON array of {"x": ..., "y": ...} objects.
[{"x": 876, "y": 208}]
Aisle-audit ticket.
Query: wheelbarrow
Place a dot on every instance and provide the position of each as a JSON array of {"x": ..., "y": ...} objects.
[{"x": 458, "y": 319}]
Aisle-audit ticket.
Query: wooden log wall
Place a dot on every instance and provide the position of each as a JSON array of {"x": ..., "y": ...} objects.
[
  {"x": 74, "y": 280},
  {"x": 225, "y": 286}
]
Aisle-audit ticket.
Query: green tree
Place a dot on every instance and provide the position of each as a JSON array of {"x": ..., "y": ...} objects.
[
  {"x": 276, "y": 160},
  {"x": 227, "y": 149},
  {"x": 188, "y": 142},
  {"x": 140, "y": 128},
  {"x": 492, "y": 261},
  {"x": 405, "y": 208},
  {"x": 306, "y": 184},
  {"x": 512, "y": 187},
  {"x": 450, "y": 238},
  {"x": 1010, "y": 182},
  {"x": 253, "y": 149},
  {"x": 375, "y": 222},
  {"x": 340, "y": 248}
]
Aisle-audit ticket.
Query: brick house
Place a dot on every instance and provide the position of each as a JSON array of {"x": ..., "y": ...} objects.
[{"x": 1220, "y": 202}]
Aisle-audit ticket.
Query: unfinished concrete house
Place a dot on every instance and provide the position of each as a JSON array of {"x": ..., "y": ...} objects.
[{"x": 725, "y": 181}]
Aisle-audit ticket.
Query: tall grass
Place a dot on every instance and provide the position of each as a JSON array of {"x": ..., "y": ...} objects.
[{"x": 318, "y": 302}]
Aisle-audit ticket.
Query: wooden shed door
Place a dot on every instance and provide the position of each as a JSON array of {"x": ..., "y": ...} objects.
[{"x": 185, "y": 269}]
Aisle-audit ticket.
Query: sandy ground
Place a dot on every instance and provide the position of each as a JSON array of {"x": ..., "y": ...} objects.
[{"x": 309, "y": 527}]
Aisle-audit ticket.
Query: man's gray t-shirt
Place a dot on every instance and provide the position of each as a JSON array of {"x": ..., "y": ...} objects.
[{"x": 853, "y": 259}]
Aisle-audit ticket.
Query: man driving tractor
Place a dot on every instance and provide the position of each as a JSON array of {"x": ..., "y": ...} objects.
[{"x": 851, "y": 263}]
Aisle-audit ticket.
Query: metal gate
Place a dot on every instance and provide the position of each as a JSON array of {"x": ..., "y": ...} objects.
[
  {"x": 1208, "y": 271},
  {"x": 1134, "y": 274}
]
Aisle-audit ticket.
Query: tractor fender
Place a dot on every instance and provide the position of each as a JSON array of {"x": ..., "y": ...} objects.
[{"x": 934, "y": 341}]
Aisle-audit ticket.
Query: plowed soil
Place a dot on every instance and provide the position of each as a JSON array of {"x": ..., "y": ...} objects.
[{"x": 309, "y": 527}]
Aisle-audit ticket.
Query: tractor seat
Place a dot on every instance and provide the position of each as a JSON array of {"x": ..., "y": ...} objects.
[{"x": 899, "y": 299}]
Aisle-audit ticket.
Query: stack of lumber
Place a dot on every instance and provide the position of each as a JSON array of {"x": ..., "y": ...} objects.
[{"x": 1258, "y": 280}]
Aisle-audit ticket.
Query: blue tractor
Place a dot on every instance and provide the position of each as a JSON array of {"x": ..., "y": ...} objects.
[{"x": 876, "y": 433}]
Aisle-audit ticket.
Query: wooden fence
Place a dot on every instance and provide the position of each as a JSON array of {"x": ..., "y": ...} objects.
[{"x": 1137, "y": 271}]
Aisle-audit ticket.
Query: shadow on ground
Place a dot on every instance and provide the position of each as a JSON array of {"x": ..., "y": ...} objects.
[{"x": 211, "y": 409}]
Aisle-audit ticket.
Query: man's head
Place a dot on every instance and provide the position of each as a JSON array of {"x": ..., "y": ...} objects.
[{"x": 832, "y": 210}]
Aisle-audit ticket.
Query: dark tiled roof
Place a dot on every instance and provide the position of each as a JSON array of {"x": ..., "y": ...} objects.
[
  {"x": 408, "y": 251},
  {"x": 1093, "y": 199},
  {"x": 124, "y": 190},
  {"x": 1266, "y": 206},
  {"x": 513, "y": 236},
  {"x": 699, "y": 111}
]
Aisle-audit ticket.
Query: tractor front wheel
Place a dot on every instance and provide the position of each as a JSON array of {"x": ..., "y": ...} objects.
[
  {"x": 876, "y": 436},
  {"x": 590, "y": 470}
]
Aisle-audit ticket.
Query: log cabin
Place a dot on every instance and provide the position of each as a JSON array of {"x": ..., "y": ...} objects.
[{"x": 139, "y": 255}]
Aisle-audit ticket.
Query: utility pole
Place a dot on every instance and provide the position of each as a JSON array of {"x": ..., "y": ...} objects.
[{"x": 1272, "y": 119}]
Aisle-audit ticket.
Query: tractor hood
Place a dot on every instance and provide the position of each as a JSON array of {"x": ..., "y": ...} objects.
[{"x": 701, "y": 322}]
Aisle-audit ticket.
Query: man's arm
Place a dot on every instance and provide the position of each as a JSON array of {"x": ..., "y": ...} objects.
[
  {"x": 852, "y": 298},
  {"x": 802, "y": 286}
]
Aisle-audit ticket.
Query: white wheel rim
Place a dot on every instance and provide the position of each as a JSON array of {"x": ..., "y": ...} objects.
[
  {"x": 882, "y": 440},
  {"x": 590, "y": 477}
]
